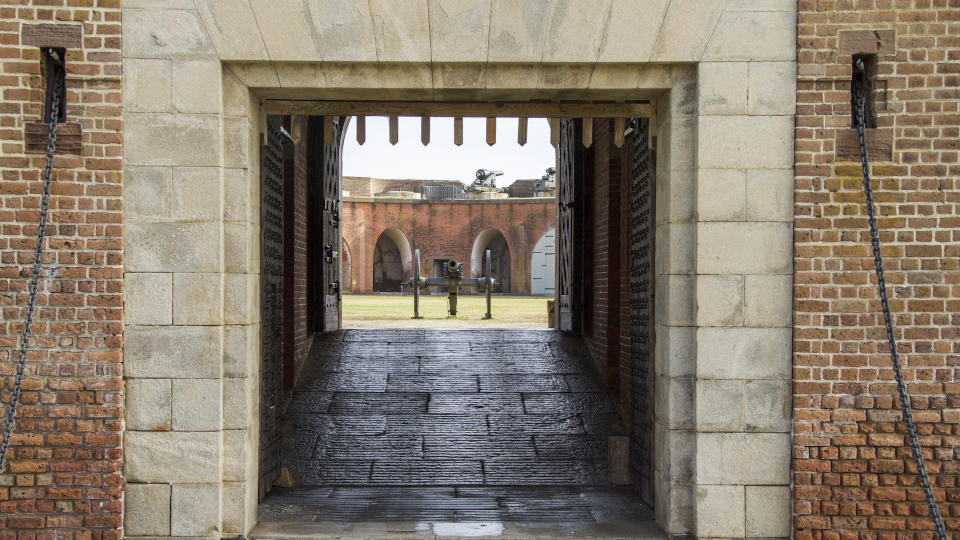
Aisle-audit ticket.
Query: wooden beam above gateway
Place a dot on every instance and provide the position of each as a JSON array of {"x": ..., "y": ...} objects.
[{"x": 460, "y": 109}]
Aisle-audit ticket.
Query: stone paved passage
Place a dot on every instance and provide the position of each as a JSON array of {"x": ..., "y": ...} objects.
[{"x": 434, "y": 427}]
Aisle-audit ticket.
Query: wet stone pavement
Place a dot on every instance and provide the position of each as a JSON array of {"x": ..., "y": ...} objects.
[{"x": 450, "y": 433}]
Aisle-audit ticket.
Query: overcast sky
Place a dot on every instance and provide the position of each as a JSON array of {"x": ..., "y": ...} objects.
[{"x": 443, "y": 160}]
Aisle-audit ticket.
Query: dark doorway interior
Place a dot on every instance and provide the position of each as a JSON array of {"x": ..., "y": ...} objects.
[{"x": 387, "y": 265}]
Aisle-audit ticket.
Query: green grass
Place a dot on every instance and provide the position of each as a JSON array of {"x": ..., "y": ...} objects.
[{"x": 374, "y": 310}]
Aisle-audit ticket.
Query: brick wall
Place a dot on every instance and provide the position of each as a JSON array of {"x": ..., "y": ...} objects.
[
  {"x": 63, "y": 478},
  {"x": 607, "y": 322},
  {"x": 443, "y": 229},
  {"x": 852, "y": 468},
  {"x": 296, "y": 332}
]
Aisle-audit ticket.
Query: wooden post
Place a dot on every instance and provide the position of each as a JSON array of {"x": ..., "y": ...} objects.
[
  {"x": 328, "y": 130},
  {"x": 555, "y": 132},
  {"x": 425, "y": 130},
  {"x": 491, "y": 131},
  {"x": 587, "y": 131},
  {"x": 361, "y": 129},
  {"x": 394, "y": 129},
  {"x": 619, "y": 126},
  {"x": 522, "y": 130},
  {"x": 458, "y": 130}
]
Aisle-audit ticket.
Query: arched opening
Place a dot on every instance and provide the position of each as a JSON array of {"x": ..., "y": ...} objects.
[
  {"x": 543, "y": 264},
  {"x": 346, "y": 267},
  {"x": 391, "y": 261},
  {"x": 493, "y": 240}
]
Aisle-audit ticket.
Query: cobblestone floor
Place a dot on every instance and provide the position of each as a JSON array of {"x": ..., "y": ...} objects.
[{"x": 450, "y": 433}]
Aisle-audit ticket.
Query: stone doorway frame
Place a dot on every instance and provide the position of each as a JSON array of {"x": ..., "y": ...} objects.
[{"x": 193, "y": 113}]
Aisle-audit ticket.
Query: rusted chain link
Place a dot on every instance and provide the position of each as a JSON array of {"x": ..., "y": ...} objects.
[
  {"x": 887, "y": 319},
  {"x": 37, "y": 262}
]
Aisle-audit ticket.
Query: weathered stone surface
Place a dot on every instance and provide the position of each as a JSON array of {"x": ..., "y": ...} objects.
[
  {"x": 685, "y": 30},
  {"x": 459, "y": 30},
  {"x": 240, "y": 403},
  {"x": 148, "y": 404},
  {"x": 146, "y": 510},
  {"x": 287, "y": 30},
  {"x": 631, "y": 30},
  {"x": 768, "y": 301},
  {"x": 585, "y": 20},
  {"x": 744, "y": 248},
  {"x": 675, "y": 254},
  {"x": 674, "y": 402},
  {"x": 197, "y": 299},
  {"x": 770, "y": 195},
  {"x": 196, "y": 404},
  {"x": 241, "y": 346},
  {"x": 239, "y": 459},
  {"x": 401, "y": 30},
  {"x": 768, "y": 406},
  {"x": 236, "y": 95},
  {"x": 743, "y": 458},
  {"x": 171, "y": 139},
  {"x": 772, "y": 89},
  {"x": 756, "y": 35},
  {"x": 146, "y": 85},
  {"x": 196, "y": 193},
  {"x": 744, "y": 353},
  {"x": 719, "y": 300},
  {"x": 745, "y": 142},
  {"x": 241, "y": 298},
  {"x": 679, "y": 309},
  {"x": 720, "y": 405},
  {"x": 344, "y": 31},
  {"x": 172, "y": 351},
  {"x": 147, "y": 192},
  {"x": 241, "y": 248},
  {"x": 159, "y": 33},
  {"x": 720, "y": 511},
  {"x": 721, "y": 195},
  {"x": 195, "y": 509},
  {"x": 675, "y": 351},
  {"x": 723, "y": 87},
  {"x": 233, "y": 29},
  {"x": 255, "y": 75},
  {"x": 517, "y": 30},
  {"x": 768, "y": 511},
  {"x": 147, "y": 298},
  {"x": 172, "y": 247},
  {"x": 172, "y": 456},
  {"x": 239, "y": 507},
  {"x": 197, "y": 86}
]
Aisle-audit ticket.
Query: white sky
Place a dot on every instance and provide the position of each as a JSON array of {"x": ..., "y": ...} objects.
[{"x": 443, "y": 160}]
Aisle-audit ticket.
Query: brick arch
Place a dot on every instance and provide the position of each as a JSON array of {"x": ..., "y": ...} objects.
[
  {"x": 447, "y": 229},
  {"x": 405, "y": 253},
  {"x": 480, "y": 245}
]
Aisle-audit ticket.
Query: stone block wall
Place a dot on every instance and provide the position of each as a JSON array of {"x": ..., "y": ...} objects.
[
  {"x": 63, "y": 476},
  {"x": 852, "y": 467}
]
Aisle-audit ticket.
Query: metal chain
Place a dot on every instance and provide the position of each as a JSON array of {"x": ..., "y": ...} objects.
[
  {"x": 37, "y": 261},
  {"x": 888, "y": 321}
]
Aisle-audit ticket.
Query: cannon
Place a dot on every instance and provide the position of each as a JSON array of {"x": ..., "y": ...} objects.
[
  {"x": 452, "y": 280},
  {"x": 485, "y": 181}
]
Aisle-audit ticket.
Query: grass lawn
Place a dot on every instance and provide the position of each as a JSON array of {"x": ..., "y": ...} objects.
[{"x": 374, "y": 310}]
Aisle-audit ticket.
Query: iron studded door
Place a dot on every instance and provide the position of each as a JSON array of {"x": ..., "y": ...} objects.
[
  {"x": 643, "y": 174},
  {"x": 566, "y": 171},
  {"x": 271, "y": 301},
  {"x": 332, "y": 230}
]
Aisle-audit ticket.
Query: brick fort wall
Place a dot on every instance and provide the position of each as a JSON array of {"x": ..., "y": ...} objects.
[
  {"x": 853, "y": 473},
  {"x": 63, "y": 478},
  {"x": 442, "y": 229}
]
